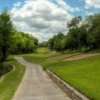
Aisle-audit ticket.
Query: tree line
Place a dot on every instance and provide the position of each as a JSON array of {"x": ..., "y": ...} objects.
[
  {"x": 13, "y": 41},
  {"x": 83, "y": 33},
  {"x": 23, "y": 43}
]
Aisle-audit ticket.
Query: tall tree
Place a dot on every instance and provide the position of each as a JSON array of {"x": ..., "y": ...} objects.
[
  {"x": 51, "y": 42},
  {"x": 59, "y": 43},
  {"x": 75, "y": 23},
  {"x": 94, "y": 31},
  {"x": 73, "y": 36},
  {"x": 6, "y": 31}
]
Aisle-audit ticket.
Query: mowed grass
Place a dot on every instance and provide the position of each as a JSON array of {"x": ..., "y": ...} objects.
[
  {"x": 12, "y": 80},
  {"x": 41, "y": 58},
  {"x": 47, "y": 63},
  {"x": 38, "y": 58},
  {"x": 83, "y": 74}
]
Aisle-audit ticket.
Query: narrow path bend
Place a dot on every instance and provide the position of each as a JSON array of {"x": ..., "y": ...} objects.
[{"x": 36, "y": 85}]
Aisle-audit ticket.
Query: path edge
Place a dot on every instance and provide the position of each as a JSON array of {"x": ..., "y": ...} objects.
[
  {"x": 2, "y": 77},
  {"x": 73, "y": 93}
]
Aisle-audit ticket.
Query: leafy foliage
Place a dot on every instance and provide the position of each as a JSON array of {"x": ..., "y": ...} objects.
[
  {"x": 6, "y": 33},
  {"x": 24, "y": 43},
  {"x": 13, "y": 41},
  {"x": 83, "y": 33}
]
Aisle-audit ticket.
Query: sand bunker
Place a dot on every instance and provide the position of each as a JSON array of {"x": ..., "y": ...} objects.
[{"x": 80, "y": 56}]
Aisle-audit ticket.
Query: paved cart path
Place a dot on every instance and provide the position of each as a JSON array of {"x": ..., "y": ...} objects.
[{"x": 36, "y": 85}]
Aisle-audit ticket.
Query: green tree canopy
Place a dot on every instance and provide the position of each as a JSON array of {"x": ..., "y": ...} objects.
[{"x": 6, "y": 33}]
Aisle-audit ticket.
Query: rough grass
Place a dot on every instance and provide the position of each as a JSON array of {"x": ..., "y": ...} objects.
[
  {"x": 45, "y": 50},
  {"x": 12, "y": 80}
]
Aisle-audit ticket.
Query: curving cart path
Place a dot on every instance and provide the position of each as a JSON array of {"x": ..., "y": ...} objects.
[{"x": 36, "y": 85}]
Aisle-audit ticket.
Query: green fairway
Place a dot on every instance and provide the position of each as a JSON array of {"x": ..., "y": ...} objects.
[
  {"x": 83, "y": 74},
  {"x": 38, "y": 58},
  {"x": 12, "y": 80},
  {"x": 41, "y": 58}
]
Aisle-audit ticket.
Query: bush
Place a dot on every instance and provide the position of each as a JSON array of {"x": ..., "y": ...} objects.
[{"x": 5, "y": 68}]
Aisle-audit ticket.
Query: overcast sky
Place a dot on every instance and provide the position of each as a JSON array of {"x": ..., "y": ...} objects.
[{"x": 44, "y": 18}]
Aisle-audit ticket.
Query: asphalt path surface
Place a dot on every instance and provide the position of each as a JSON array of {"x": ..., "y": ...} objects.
[{"x": 36, "y": 85}]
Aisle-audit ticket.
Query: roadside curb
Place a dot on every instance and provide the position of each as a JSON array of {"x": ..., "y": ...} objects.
[
  {"x": 7, "y": 73},
  {"x": 73, "y": 93},
  {"x": 41, "y": 67}
]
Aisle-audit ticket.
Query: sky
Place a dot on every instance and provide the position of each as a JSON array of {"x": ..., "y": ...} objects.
[{"x": 45, "y": 18}]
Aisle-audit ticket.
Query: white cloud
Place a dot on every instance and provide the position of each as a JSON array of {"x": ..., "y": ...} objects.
[
  {"x": 89, "y": 13},
  {"x": 17, "y": 4},
  {"x": 64, "y": 5},
  {"x": 40, "y": 16},
  {"x": 92, "y": 3}
]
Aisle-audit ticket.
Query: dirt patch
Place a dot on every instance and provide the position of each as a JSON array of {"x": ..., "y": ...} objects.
[
  {"x": 57, "y": 56},
  {"x": 80, "y": 56}
]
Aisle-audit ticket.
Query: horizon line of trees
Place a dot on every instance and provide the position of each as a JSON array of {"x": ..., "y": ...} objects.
[
  {"x": 23, "y": 43},
  {"x": 82, "y": 33}
]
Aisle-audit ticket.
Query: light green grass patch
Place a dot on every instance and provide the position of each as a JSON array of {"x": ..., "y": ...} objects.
[
  {"x": 12, "y": 80},
  {"x": 83, "y": 74},
  {"x": 38, "y": 58},
  {"x": 47, "y": 63}
]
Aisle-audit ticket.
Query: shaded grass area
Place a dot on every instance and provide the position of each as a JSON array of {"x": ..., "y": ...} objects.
[
  {"x": 5, "y": 68},
  {"x": 95, "y": 50},
  {"x": 83, "y": 74},
  {"x": 12, "y": 80}
]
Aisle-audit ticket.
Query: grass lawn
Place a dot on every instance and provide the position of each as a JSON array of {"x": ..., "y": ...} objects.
[
  {"x": 12, "y": 80},
  {"x": 38, "y": 58},
  {"x": 83, "y": 74},
  {"x": 41, "y": 58}
]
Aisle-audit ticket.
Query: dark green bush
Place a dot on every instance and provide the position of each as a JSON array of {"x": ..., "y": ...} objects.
[{"x": 5, "y": 68}]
